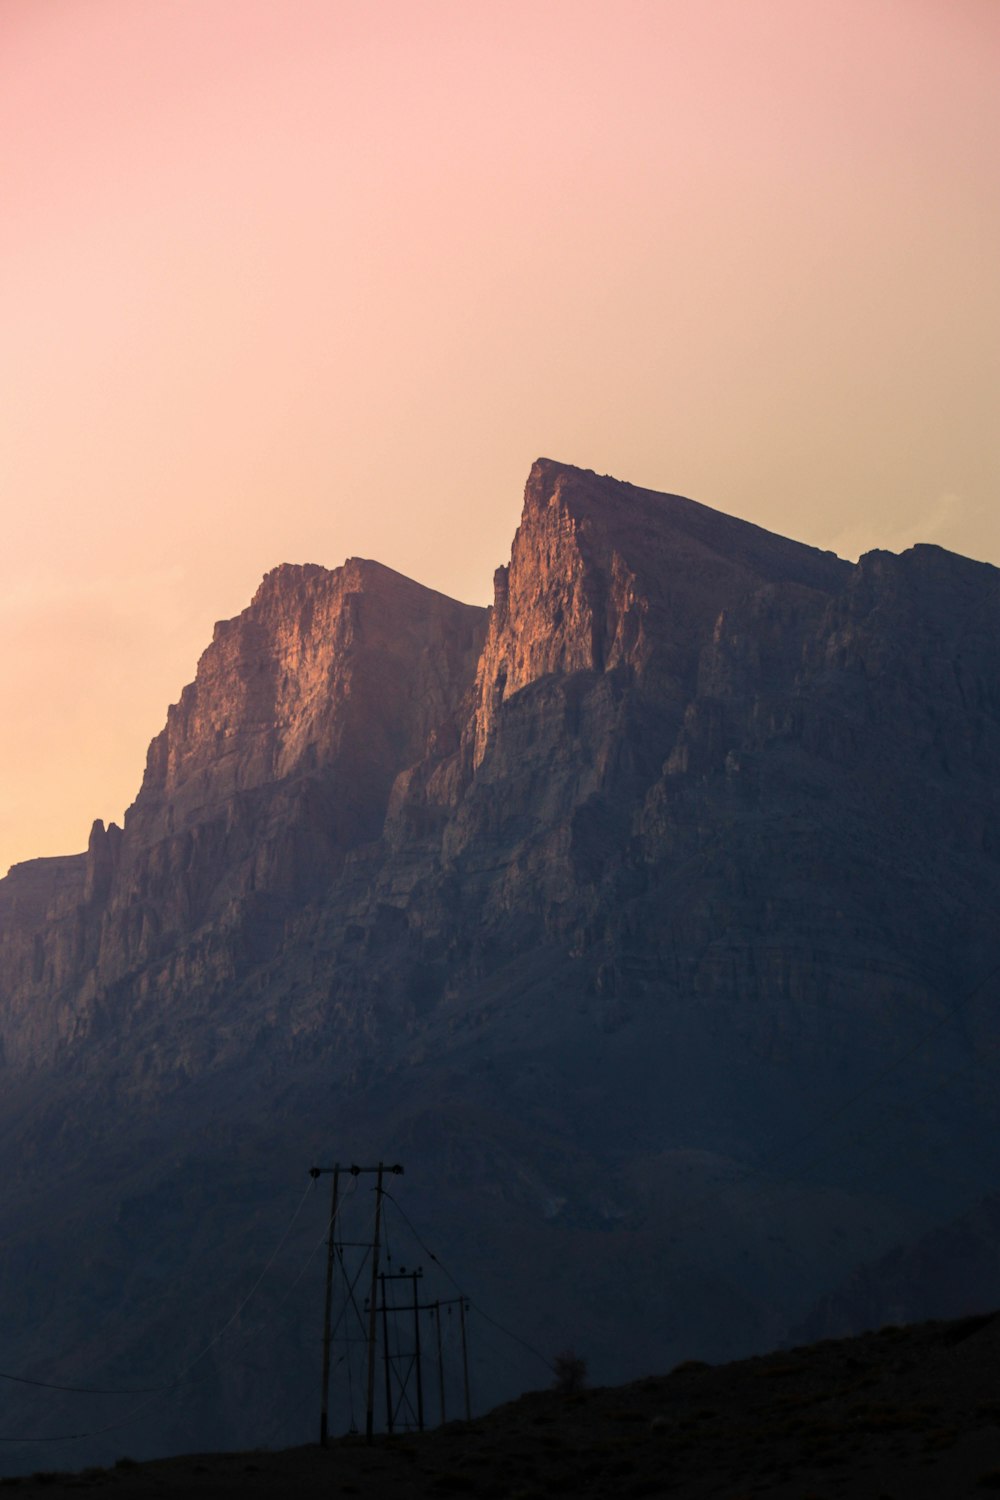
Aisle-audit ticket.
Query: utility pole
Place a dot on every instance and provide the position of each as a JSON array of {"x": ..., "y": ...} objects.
[
  {"x": 386, "y": 1356},
  {"x": 355, "y": 1171},
  {"x": 462, "y": 1305},
  {"x": 315, "y": 1172},
  {"x": 402, "y": 1377},
  {"x": 416, "y": 1348},
  {"x": 370, "y": 1409},
  {"x": 434, "y": 1308},
  {"x": 437, "y": 1318},
  {"x": 381, "y": 1169},
  {"x": 416, "y": 1358}
]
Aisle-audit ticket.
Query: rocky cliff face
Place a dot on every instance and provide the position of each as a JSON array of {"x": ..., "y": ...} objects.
[
  {"x": 604, "y": 575},
  {"x": 276, "y": 763},
  {"x": 594, "y": 907}
]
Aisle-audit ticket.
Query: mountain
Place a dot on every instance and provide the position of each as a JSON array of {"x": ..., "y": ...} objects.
[
  {"x": 648, "y": 918},
  {"x": 951, "y": 1268}
]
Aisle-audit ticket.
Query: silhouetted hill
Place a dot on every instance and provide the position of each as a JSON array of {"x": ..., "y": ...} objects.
[{"x": 904, "y": 1412}]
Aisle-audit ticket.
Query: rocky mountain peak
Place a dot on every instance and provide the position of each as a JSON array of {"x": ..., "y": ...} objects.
[
  {"x": 316, "y": 663},
  {"x": 604, "y": 574}
]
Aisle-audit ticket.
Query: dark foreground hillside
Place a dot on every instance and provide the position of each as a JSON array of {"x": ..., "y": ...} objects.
[{"x": 905, "y": 1413}]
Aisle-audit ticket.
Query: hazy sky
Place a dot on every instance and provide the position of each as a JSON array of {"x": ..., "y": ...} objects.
[{"x": 293, "y": 280}]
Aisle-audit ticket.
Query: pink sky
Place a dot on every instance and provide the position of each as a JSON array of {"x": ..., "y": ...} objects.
[{"x": 292, "y": 280}]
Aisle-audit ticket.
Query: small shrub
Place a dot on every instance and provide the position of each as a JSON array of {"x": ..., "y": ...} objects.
[{"x": 569, "y": 1373}]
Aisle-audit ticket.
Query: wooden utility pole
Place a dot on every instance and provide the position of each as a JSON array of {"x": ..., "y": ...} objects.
[
  {"x": 370, "y": 1408},
  {"x": 437, "y": 1316},
  {"x": 387, "y": 1357},
  {"x": 380, "y": 1171},
  {"x": 462, "y": 1305},
  {"x": 416, "y": 1275},
  {"x": 328, "y": 1304}
]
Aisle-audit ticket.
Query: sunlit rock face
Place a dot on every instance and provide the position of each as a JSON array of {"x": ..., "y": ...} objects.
[
  {"x": 277, "y": 761},
  {"x": 588, "y": 906},
  {"x": 604, "y": 575},
  {"x": 343, "y": 674}
]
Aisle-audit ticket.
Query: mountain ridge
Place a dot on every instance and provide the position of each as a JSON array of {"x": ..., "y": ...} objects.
[{"x": 587, "y": 906}]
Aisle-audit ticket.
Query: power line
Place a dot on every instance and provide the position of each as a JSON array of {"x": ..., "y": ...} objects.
[
  {"x": 84, "y": 1390},
  {"x": 475, "y": 1305},
  {"x": 154, "y": 1392}
]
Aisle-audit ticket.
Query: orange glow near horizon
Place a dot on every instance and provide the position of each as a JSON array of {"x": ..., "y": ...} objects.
[{"x": 292, "y": 282}]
